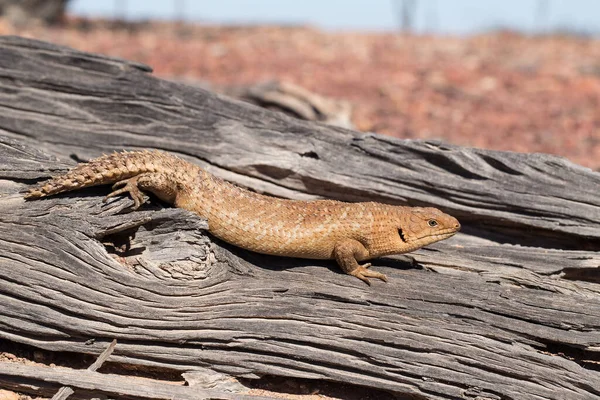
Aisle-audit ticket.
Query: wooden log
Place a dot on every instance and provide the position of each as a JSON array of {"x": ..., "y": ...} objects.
[
  {"x": 294, "y": 100},
  {"x": 483, "y": 314},
  {"x": 73, "y": 103},
  {"x": 42, "y": 381}
]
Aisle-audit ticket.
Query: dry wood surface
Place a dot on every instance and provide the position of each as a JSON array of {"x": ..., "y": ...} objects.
[{"x": 508, "y": 309}]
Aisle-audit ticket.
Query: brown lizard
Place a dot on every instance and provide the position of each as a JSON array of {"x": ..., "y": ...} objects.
[{"x": 320, "y": 229}]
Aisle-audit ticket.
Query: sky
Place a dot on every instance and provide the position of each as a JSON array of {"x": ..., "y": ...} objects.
[{"x": 432, "y": 16}]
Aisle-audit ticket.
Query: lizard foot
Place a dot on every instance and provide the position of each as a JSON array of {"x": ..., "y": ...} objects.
[
  {"x": 363, "y": 274},
  {"x": 127, "y": 186}
]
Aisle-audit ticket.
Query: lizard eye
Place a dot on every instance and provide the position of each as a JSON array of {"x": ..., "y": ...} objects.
[{"x": 432, "y": 223}]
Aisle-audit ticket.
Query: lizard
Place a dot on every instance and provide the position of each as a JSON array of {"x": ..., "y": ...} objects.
[{"x": 349, "y": 233}]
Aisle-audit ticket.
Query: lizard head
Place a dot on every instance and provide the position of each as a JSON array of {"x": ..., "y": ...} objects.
[{"x": 425, "y": 225}]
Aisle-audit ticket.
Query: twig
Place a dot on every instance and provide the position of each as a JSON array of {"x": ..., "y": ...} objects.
[{"x": 66, "y": 391}]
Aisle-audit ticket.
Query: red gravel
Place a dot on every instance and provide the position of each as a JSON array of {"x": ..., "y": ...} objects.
[{"x": 500, "y": 91}]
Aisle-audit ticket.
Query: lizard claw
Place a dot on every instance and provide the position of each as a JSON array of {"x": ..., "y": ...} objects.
[
  {"x": 363, "y": 274},
  {"x": 127, "y": 186},
  {"x": 120, "y": 184}
]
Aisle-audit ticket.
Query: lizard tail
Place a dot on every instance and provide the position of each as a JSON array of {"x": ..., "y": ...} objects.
[{"x": 100, "y": 171}]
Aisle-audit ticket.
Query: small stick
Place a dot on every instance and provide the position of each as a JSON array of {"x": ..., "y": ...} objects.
[{"x": 66, "y": 391}]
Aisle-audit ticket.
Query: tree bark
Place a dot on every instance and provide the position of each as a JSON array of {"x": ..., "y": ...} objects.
[{"x": 510, "y": 308}]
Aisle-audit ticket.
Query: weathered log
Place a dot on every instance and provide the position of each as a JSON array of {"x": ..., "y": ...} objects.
[
  {"x": 482, "y": 314},
  {"x": 65, "y": 391},
  {"x": 43, "y": 381},
  {"x": 293, "y": 100}
]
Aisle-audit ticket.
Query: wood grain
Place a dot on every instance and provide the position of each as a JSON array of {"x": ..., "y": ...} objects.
[
  {"x": 90, "y": 384},
  {"x": 508, "y": 309}
]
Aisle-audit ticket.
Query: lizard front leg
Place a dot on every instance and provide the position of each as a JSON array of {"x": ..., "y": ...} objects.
[
  {"x": 346, "y": 253},
  {"x": 159, "y": 184}
]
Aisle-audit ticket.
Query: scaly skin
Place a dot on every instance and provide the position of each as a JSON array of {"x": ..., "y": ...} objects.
[{"x": 321, "y": 229}]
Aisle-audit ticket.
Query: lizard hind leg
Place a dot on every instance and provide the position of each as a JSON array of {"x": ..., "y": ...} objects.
[{"x": 158, "y": 183}]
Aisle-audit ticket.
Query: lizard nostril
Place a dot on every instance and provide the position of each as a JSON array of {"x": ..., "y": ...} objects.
[{"x": 457, "y": 225}]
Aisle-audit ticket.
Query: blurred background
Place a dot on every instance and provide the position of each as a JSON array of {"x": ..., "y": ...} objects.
[{"x": 518, "y": 75}]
